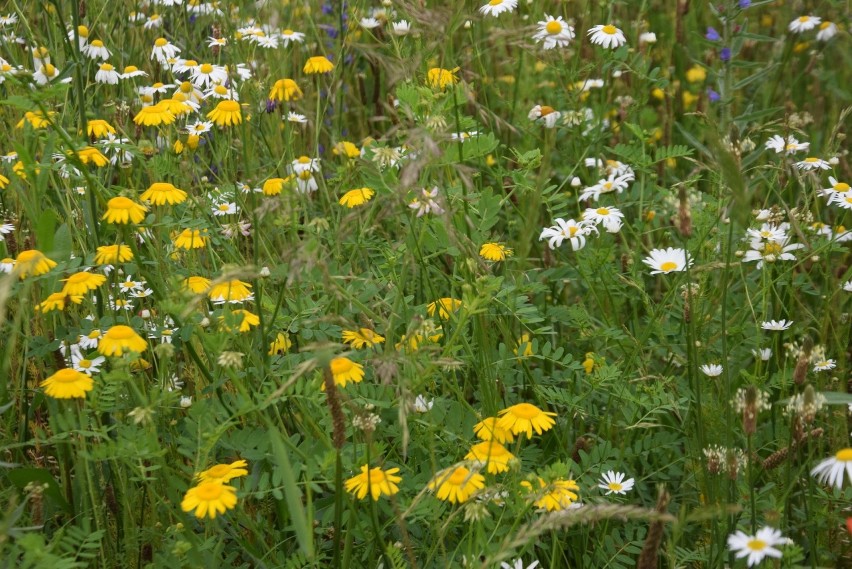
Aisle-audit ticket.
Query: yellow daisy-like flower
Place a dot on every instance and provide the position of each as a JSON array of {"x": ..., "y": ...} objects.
[
  {"x": 492, "y": 454},
  {"x": 445, "y": 307},
  {"x": 120, "y": 339},
  {"x": 494, "y": 252},
  {"x": 376, "y": 481},
  {"x": 36, "y": 119},
  {"x": 32, "y": 263},
  {"x": 274, "y": 186},
  {"x": 191, "y": 239},
  {"x": 696, "y": 74},
  {"x": 356, "y": 197},
  {"x": 362, "y": 337},
  {"x": 488, "y": 430},
  {"x": 280, "y": 344},
  {"x": 524, "y": 417},
  {"x": 109, "y": 254},
  {"x": 344, "y": 370},
  {"x": 198, "y": 285},
  {"x": 67, "y": 384},
  {"x": 209, "y": 499},
  {"x": 456, "y": 484},
  {"x": 226, "y": 113},
  {"x": 122, "y": 210},
  {"x": 4, "y": 181},
  {"x": 247, "y": 320},
  {"x": 438, "y": 78},
  {"x": 82, "y": 282},
  {"x": 285, "y": 90},
  {"x": 318, "y": 64},
  {"x": 91, "y": 155},
  {"x": 233, "y": 290},
  {"x": 177, "y": 105},
  {"x": 224, "y": 472},
  {"x": 162, "y": 193},
  {"x": 99, "y": 128},
  {"x": 57, "y": 301},
  {"x": 154, "y": 115},
  {"x": 347, "y": 149},
  {"x": 557, "y": 495}
]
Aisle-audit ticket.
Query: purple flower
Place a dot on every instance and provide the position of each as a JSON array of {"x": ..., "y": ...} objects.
[
  {"x": 712, "y": 34},
  {"x": 744, "y": 4},
  {"x": 270, "y": 105},
  {"x": 726, "y": 54},
  {"x": 713, "y": 96}
]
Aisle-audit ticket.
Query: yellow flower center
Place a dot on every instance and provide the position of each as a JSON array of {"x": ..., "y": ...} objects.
[
  {"x": 120, "y": 203},
  {"x": 224, "y": 207},
  {"x": 615, "y": 486},
  {"x": 811, "y": 159},
  {"x": 121, "y": 332},
  {"x": 97, "y": 43},
  {"x": 49, "y": 69},
  {"x": 304, "y": 160},
  {"x": 220, "y": 90},
  {"x": 377, "y": 476},
  {"x": 93, "y": 334},
  {"x": 288, "y": 32},
  {"x": 609, "y": 30},
  {"x": 772, "y": 248},
  {"x": 824, "y": 25},
  {"x": 841, "y": 187},
  {"x": 131, "y": 69},
  {"x": 525, "y": 411},
  {"x": 206, "y": 68},
  {"x": 66, "y": 375},
  {"x": 340, "y": 365},
  {"x": 804, "y": 19},
  {"x": 106, "y": 67},
  {"x": 459, "y": 475},
  {"x": 229, "y": 106},
  {"x": 756, "y": 545},
  {"x": 209, "y": 491},
  {"x": 668, "y": 266},
  {"x": 78, "y": 278},
  {"x": 844, "y": 455},
  {"x": 495, "y": 2},
  {"x": 85, "y": 364},
  {"x": 553, "y": 27},
  {"x": 602, "y": 211},
  {"x": 848, "y": 199},
  {"x": 161, "y": 42}
]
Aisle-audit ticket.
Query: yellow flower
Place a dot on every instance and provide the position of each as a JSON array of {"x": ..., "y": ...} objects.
[
  {"x": 99, "y": 128},
  {"x": 688, "y": 99},
  {"x": 557, "y": 495},
  {"x": 197, "y": 285},
  {"x": 344, "y": 370},
  {"x": 280, "y": 344},
  {"x": 438, "y": 78},
  {"x": 491, "y": 454},
  {"x": 4, "y": 181},
  {"x": 456, "y": 484},
  {"x": 445, "y": 306},
  {"x": 489, "y": 430},
  {"x": 377, "y": 482},
  {"x": 273, "y": 186},
  {"x": 82, "y": 282},
  {"x": 162, "y": 193},
  {"x": 525, "y": 342},
  {"x": 524, "y": 417},
  {"x": 494, "y": 252},
  {"x": 347, "y": 149},
  {"x": 109, "y": 254},
  {"x": 209, "y": 499},
  {"x": 224, "y": 472},
  {"x": 246, "y": 318},
  {"x": 120, "y": 339},
  {"x": 124, "y": 210},
  {"x": 36, "y": 119},
  {"x": 285, "y": 90},
  {"x": 361, "y": 337},
  {"x": 318, "y": 64},
  {"x": 177, "y": 105},
  {"x": 356, "y": 197},
  {"x": 658, "y": 94},
  {"x": 233, "y": 290},
  {"x": 32, "y": 262},
  {"x": 226, "y": 113},
  {"x": 191, "y": 239},
  {"x": 91, "y": 155},
  {"x": 696, "y": 74},
  {"x": 67, "y": 384},
  {"x": 154, "y": 115},
  {"x": 57, "y": 301}
]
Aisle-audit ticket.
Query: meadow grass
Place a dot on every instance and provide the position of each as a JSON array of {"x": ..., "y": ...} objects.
[{"x": 425, "y": 284}]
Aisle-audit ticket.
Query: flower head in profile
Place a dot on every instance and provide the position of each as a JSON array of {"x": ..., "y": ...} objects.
[
  {"x": 356, "y": 197},
  {"x": 32, "y": 262},
  {"x": 524, "y": 418},
  {"x": 361, "y": 338},
  {"x": 122, "y": 210},
  {"x": 82, "y": 282},
  {"x": 545, "y": 115},
  {"x": 375, "y": 481},
  {"x": 494, "y": 252},
  {"x": 670, "y": 260},
  {"x": 488, "y": 429},
  {"x": 209, "y": 499},
  {"x": 233, "y": 291},
  {"x": 615, "y": 483},
  {"x": 575, "y": 232},
  {"x": 344, "y": 370},
  {"x": 607, "y": 36},
  {"x": 226, "y": 113},
  {"x": 491, "y": 454},
  {"x": 711, "y": 370},
  {"x": 120, "y": 339},
  {"x": 163, "y": 193},
  {"x": 445, "y": 306},
  {"x": 318, "y": 64},
  {"x": 285, "y": 90},
  {"x": 67, "y": 383},
  {"x": 456, "y": 484},
  {"x": 110, "y": 254},
  {"x": 776, "y": 325},
  {"x": 224, "y": 472},
  {"x": 558, "y": 495},
  {"x": 497, "y": 7},
  {"x": 831, "y": 470},
  {"x": 154, "y": 115},
  {"x": 756, "y": 547}
]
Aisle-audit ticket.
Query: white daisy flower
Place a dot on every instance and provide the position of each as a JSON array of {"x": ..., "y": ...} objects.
[
  {"x": 216, "y": 42},
  {"x": 762, "y": 353},
  {"x": 767, "y": 232},
  {"x": 224, "y": 208},
  {"x": 96, "y": 50},
  {"x": 824, "y": 365},
  {"x": 771, "y": 251},
  {"x": 46, "y": 73},
  {"x": 153, "y": 22},
  {"x": 107, "y": 74},
  {"x": 573, "y": 231},
  {"x": 305, "y": 164},
  {"x": 289, "y": 35},
  {"x": 129, "y": 284},
  {"x": 297, "y": 118},
  {"x": 497, "y": 7},
  {"x": 132, "y": 71},
  {"x": 519, "y": 564},
  {"x": 85, "y": 365},
  {"x": 607, "y": 36},
  {"x": 90, "y": 341},
  {"x": 544, "y": 114},
  {"x": 789, "y": 145},
  {"x": 827, "y": 30},
  {"x": 804, "y": 24},
  {"x": 668, "y": 260},
  {"x": 6, "y": 265},
  {"x": 207, "y": 74},
  {"x": 776, "y": 325},
  {"x": 812, "y": 163},
  {"x": 610, "y": 217},
  {"x": 614, "y": 483},
  {"x": 401, "y": 28},
  {"x": 756, "y": 547},
  {"x": 369, "y": 23},
  {"x": 830, "y": 471},
  {"x": 422, "y": 405},
  {"x": 836, "y": 187},
  {"x": 199, "y": 127},
  {"x": 847, "y": 286},
  {"x": 164, "y": 50},
  {"x": 711, "y": 370},
  {"x": 843, "y": 200},
  {"x": 463, "y": 136},
  {"x": 554, "y": 32},
  {"x": 613, "y": 183},
  {"x": 647, "y": 37}
]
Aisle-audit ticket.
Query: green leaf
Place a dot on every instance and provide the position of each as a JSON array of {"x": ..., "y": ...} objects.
[
  {"x": 474, "y": 147},
  {"x": 20, "y": 477},
  {"x": 292, "y": 495}
]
